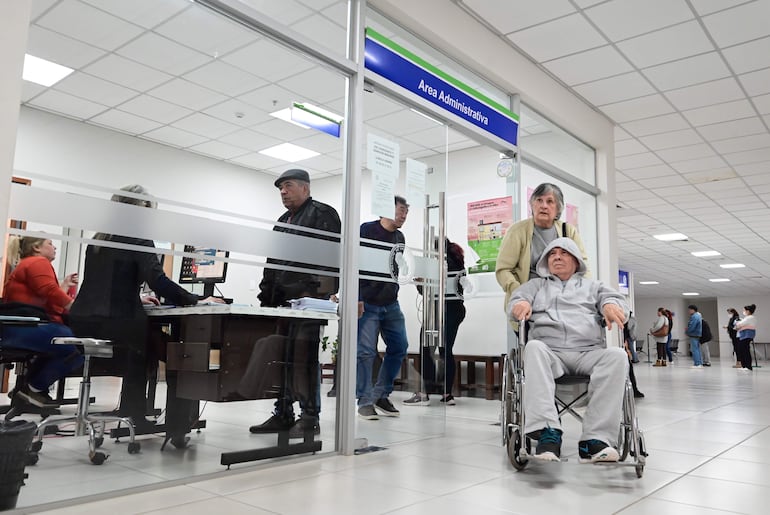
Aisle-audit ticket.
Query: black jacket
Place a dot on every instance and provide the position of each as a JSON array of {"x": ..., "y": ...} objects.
[
  {"x": 113, "y": 278},
  {"x": 279, "y": 286}
]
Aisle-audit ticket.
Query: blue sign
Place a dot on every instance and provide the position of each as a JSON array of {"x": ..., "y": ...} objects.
[
  {"x": 301, "y": 114},
  {"x": 438, "y": 88},
  {"x": 623, "y": 282}
]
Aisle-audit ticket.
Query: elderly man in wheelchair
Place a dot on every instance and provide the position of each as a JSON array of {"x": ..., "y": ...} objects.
[{"x": 565, "y": 311}]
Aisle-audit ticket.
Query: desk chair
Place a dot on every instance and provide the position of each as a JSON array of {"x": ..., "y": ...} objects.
[{"x": 95, "y": 424}]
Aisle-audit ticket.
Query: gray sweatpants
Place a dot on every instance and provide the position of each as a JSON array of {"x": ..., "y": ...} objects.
[
  {"x": 608, "y": 369},
  {"x": 705, "y": 353}
]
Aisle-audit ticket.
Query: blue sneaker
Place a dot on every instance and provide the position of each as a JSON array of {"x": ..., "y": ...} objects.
[
  {"x": 548, "y": 445},
  {"x": 592, "y": 451}
]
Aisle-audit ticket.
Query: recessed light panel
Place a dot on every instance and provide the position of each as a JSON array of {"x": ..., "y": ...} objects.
[
  {"x": 706, "y": 253},
  {"x": 733, "y": 265},
  {"x": 289, "y": 152},
  {"x": 649, "y": 282},
  {"x": 720, "y": 280},
  {"x": 43, "y": 72},
  {"x": 674, "y": 236},
  {"x": 690, "y": 294}
]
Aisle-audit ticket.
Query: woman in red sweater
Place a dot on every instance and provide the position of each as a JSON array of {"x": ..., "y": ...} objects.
[{"x": 34, "y": 282}]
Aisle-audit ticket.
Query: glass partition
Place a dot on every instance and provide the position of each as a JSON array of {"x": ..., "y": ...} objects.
[{"x": 206, "y": 126}]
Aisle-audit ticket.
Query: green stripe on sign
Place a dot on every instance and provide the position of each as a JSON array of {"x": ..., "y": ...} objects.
[{"x": 425, "y": 64}]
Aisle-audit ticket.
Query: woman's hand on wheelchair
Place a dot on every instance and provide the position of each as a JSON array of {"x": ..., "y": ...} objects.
[{"x": 522, "y": 310}]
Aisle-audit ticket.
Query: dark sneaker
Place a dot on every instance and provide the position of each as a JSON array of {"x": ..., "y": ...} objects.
[
  {"x": 592, "y": 451},
  {"x": 448, "y": 400},
  {"x": 39, "y": 399},
  {"x": 302, "y": 424},
  {"x": 638, "y": 394},
  {"x": 273, "y": 425},
  {"x": 367, "y": 412},
  {"x": 418, "y": 399},
  {"x": 387, "y": 408},
  {"x": 548, "y": 445}
]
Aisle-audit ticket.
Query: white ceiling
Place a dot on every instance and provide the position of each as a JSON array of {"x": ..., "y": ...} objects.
[{"x": 687, "y": 81}]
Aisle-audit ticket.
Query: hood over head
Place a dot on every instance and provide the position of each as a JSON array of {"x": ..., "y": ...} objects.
[{"x": 567, "y": 244}]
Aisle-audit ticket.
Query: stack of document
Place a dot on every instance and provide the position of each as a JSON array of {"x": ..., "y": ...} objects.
[{"x": 311, "y": 304}]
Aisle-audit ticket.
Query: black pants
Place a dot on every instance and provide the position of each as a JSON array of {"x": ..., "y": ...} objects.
[
  {"x": 632, "y": 376},
  {"x": 454, "y": 314},
  {"x": 744, "y": 353}
]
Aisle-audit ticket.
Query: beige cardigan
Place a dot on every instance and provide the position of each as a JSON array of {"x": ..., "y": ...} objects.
[{"x": 513, "y": 260}]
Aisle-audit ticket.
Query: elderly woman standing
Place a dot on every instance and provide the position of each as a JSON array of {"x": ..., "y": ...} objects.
[
  {"x": 525, "y": 241},
  {"x": 33, "y": 282},
  {"x": 747, "y": 329}
]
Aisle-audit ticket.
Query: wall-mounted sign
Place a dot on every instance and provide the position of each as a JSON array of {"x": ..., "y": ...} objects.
[
  {"x": 413, "y": 73},
  {"x": 623, "y": 282}
]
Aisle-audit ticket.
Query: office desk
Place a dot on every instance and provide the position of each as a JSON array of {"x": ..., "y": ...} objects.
[{"x": 208, "y": 349}]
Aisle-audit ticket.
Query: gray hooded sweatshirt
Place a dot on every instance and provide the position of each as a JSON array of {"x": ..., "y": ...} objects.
[{"x": 566, "y": 314}]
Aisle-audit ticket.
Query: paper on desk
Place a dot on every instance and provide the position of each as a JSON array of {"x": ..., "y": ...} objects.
[{"x": 309, "y": 303}]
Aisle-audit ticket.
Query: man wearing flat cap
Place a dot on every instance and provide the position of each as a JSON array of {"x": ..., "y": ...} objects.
[{"x": 279, "y": 286}]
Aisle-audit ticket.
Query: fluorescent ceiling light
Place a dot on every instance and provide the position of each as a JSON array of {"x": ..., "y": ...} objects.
[
  {"x": 720, "y": 280},
  {"x": 706, "y": 253},
  {"x": 676, "y": 236},
  {"x": 43, "y": 72},
  {"x": 285, "y": 115},
  {"x": 690, "y": 294},
  {"x": 289, "y": 152},
  {"x": 649, "y": 282},
  {"x": 733, "y": 265},
  {"x": 415, "y": 111}
]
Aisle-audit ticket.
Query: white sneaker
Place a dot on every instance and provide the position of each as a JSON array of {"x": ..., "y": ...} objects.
[
  {"x": 697, "y": 366},
  {"x": 418, "y": 399}
]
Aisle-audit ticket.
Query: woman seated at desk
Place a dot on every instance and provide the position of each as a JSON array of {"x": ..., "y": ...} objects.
[
  {"x": 108, "y": 306},
  {"x": 33, "y": 281}
]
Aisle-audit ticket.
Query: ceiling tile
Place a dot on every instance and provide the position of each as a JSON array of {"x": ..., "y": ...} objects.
[
  {"x": 666, "y": 45},
  {"x": 645, "y": 107},
  {"x": 317, "y": 85},
  {"x": 285, "y": 12},
  {"x": 655, "y": 125},
  {"x": 743, "y": 143},
  {"x": 732, "y": 129},
  {"x": 615, "y": 89},
  {"x": 224, "y": 78},
  {"x": 40, "y": 6},
  {"x": 620, "y": 133},
  {"x": 321, "y": 143},
  {"x": 623, "y": 19},
  {"x": 629, "y": 147},
  {"x": 696, "y": 165},
  {"x": 671, "y": 139},
  {"x": 66, "y": 104},
  {"x": 60, "y": 49},
  {"x": 127, "y": 73},
  {"x": 742, "y": 23},
  {"x": 282, "y": 63},
  {"x": 518, "y": 14},
  {"x": 175, "y": 137},
  {"x": 637, "y": 161},
  {"x": 752, "y": 169},
  {"x": 163, "y": 54},
  {"x": 282, "y": 130},
  {"x": 205, "y": 125},
  {"x": 749, "y": 156},
  {"x": 154, "y": 109},
  {"x": 672, "y": 155},
  {"x": 705, "y": 7},
  {"x": 589, "y": 66},
  {"x": 146, "y": 13},
  {"x": 124, "y": 122},
  {"x": 249, "y": 139},
  {"x": 648, "y": 172},
  {"x": 182, "y": 92},
  {"x": 237, "y": 112},
  {"x": 324, "y": 163},
  {"x": 95, "y": 89},
  {"x": 402, "y": 122},
  {"x": 222, "y": 35},
  {"x": 30, "y": 90},
  {"x": 749, "y": 56},
  {"x": 762, "y": 104},
  {"x": 756, "y": 83},
  {"x": 545, "y": 42},
  {"x": 684, "y": 72},
  {"x": 84, "y": 23},
  {"x": 218, "y": 149},
  {"x": 324, "y": 31},
  {"x": 666, "y": 182},
  {"x": 719, "y": 113},
  {"x": 715, "y": 92},
  {"x": 259, "y": 161}
]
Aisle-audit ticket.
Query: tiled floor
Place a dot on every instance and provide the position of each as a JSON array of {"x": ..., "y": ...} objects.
[{"x": 707, "y": 432}]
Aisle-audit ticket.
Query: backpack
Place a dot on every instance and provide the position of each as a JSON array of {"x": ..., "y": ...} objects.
[{"x": 705, "y": 335}]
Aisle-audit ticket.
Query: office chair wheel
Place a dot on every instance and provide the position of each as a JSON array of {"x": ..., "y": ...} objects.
[
  {"x": 134, "y": 447},
  {"x": 98, "y": 458},
  {"x": 36, "y": 445},
  {"x": 514, "y": 448},
  {"x": 32, "y": 458},
  {"x": 98, "y": 441}
]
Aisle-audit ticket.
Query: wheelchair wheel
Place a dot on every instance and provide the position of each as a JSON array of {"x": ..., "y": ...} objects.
[
  {"x": 506, "y": 404},
  {"x": 514, "y": 449},
  {"x": 624, "y": 441}
]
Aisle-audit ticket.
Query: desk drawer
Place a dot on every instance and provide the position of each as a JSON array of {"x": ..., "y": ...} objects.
[{"x": 193, "y": 357}]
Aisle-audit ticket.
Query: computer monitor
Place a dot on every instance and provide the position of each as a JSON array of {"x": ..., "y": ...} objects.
[{"x": 204, "y": 269}]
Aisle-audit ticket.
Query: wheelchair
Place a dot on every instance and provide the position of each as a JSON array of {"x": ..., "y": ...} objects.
[{"x": 519, "y": 446}]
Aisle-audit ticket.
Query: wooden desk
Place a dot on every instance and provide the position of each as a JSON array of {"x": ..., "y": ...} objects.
[{"x": 232, "y": 330}]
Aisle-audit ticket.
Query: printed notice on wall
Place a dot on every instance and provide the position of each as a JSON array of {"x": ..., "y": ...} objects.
[
  {"x": 382, "y": 159},
  {"x": 487, "y": 222},
  {"x": 415, "y": 182}
]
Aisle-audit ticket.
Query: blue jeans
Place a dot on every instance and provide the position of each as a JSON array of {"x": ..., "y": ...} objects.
[
  {"x": 668, "y": 349},
  {"x": 695, "y": 349},
  {"x": 389, "y": 321},
  {"x": 55, "y": 361}
]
